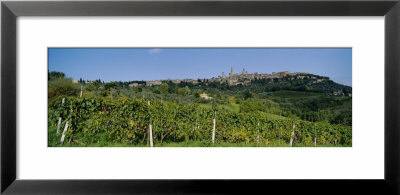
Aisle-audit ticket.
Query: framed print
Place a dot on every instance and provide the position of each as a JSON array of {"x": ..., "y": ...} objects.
[
  {"x": 183, "y": 105},
  {"x": 199, "y": 97}
]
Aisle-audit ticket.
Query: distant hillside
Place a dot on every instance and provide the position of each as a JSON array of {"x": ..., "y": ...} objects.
[
  {"x": 253, "y": 82},
  {"x": 304, "y": 82},
  {"x": 296, "y": 82}
]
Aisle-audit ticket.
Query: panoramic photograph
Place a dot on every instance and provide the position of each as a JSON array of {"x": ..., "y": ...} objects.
[{"x": 199, "y": 97}]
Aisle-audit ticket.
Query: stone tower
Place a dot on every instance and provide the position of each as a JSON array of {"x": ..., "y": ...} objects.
[
  {"x": 231, "y": 74},
  {"x": 244, "y": 71}
]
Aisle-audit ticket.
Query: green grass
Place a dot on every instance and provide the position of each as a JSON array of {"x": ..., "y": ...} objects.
[
  {"x": 208, "y": 106},
  {"x": 231, "y": 106},
  {"x": 272, "y": 116}
]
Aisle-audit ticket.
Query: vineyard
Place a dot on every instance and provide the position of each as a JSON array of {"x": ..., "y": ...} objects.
[{"x": 92, "y": 121}]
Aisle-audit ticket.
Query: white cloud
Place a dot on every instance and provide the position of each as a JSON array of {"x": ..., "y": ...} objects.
[{"x": 154, "y": 51}]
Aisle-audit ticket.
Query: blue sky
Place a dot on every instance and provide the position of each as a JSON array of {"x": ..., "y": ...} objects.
[{"x": 126, "y": 64}]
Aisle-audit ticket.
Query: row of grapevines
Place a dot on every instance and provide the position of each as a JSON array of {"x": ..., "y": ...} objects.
[{"x": 96, "y": 120}]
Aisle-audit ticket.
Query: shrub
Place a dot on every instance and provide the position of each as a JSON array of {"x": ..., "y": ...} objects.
[{"x": 62, "y": 86}]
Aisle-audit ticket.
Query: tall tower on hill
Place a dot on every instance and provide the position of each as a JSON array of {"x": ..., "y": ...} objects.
[{"x": 231, "y": 74}]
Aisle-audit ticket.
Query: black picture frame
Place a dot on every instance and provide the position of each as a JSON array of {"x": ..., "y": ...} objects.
[{"x": 11, "y": 10}]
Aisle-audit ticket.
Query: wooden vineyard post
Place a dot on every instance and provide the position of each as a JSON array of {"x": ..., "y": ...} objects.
[
  {"x": 58, "y": 125},
  {"x": 213, "y": 133},
  {"x": 81, "y": 91},
  {"x": 258, "y": 132},
  {"x": 150, "y": 130},
  {"x": 59, "y": 118},
  {"x": 291, "y": 135},
  {"x": 63, "y": 134},
  {"x": 151, "y": 135},
  {"x": 315, "y": 137}
]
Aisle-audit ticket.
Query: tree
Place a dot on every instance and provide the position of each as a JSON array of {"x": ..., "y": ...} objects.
[
  {"x": 111, "y": 85},
  {"x": 164, "y": 88},
  {"x": 104, "y": 93},
  {"x": 56, "y": 75},
  {"x": 187, "y": 90},
  {"x": 177, "y": 89},
  {"x": 197, "y": 93},
  {"x": 247, "y": 94},
  {"x": 156, "y": 90},
  {"x": 184, "y": 91}
]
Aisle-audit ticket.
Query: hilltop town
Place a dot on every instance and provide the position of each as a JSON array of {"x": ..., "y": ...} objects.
[
  {"x": 285, "y": 80},
  {"x": 243, "y": 78}
]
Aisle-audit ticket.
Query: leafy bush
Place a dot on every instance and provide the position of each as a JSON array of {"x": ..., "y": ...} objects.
[
  {"x": 62, "y": 87},
  {"x": 250, "y": 105}
]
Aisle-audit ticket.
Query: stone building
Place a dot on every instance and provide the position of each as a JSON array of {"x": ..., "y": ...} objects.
[
  {"x": 205, "y": 96},
  {"x": 245, "y": 78},
  {"x": 151, "y": 83},
  {"x": 283, "y": 74},
  {"x": 223, "y": 75},
  {"x": 134, "y": 84}
]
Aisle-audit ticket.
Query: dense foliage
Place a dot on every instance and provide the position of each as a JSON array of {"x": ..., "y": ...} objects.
[
  {"x": 259, "y": 114},
  {"x": 62, "y": 87},
  {"x": 97, "y": 120}
]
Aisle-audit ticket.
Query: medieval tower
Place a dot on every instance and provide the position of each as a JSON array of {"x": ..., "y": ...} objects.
[{"x": 231, "y": 74}]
